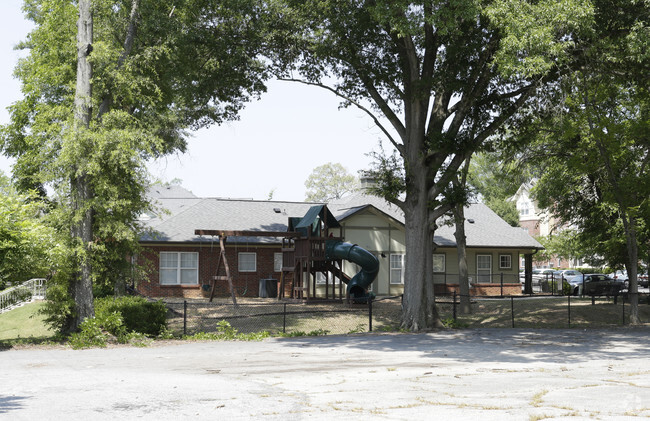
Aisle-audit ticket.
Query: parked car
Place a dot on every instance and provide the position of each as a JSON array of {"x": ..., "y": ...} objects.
[
  {"x": 643, "y": 280},
  {"x": 596, "y": 284},
  {"x": 620, "y": 275},
  {"x": 565, "y": 273},
  {"x": 542, "y": 274}
]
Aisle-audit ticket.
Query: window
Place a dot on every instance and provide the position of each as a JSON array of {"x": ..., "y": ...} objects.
[
  {"x": 505, "y": 261},
  {"x": 484, "y": 267},
  {"x": 179, "y": 268},
  {"x": 396, "y": 268},
  {"x": 438, "y": 263},
  {"x": 277, "y": 262},
  {"x": 320, "y": 278},
  {"x": 248, "y": 262}
]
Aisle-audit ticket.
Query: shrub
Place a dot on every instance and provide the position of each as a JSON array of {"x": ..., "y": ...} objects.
[
  {"x": 138, "y": 314},
  {"x": 91, "y": 334}
]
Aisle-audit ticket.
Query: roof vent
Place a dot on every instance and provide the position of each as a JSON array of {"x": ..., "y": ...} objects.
[
  {"x": 277, "y": 210},
  {"x": 471, "y": 221}
]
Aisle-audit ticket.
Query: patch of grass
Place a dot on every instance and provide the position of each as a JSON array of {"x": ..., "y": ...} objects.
[
  {"x": 538, "y": 398},
  {"x": 25, "y": 325}
]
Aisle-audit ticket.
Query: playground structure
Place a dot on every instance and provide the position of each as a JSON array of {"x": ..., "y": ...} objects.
[{"x": 308, "y": 248}]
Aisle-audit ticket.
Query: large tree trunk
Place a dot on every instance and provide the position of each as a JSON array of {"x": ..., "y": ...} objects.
[
  {"x": 419, "y": 309},
  {"x": 461, "y": 248},
  {"x": 81, "y": 192},
  {"x": 629, "y": 222}
]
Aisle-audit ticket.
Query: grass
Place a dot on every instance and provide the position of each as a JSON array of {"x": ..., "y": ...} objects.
[
  {"x": 24, "y": 325},
  {"x": 551, "y": 312}
]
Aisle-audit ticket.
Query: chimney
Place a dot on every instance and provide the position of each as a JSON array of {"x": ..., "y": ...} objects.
[{"x": 366, "y": 180}]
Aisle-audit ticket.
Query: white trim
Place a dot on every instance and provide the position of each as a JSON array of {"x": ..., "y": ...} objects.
[
  {"x": 277, "y": 262},
  {"x": 480, "y": 272},
  {"x": 397, "y": 270},
  {"x": 444, "y": 262},
  {"x": 509, "y": 264},
  {"x": 177, "y": 270}
]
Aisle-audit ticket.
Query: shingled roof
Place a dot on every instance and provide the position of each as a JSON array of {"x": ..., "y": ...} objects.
[
  {"x": 182, "y": 213},
  {"x": 179, "y": 217},
  {"x": 483, "y": 227}
]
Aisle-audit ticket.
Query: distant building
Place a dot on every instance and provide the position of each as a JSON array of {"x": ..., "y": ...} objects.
[{"x": 537, "y": 222}]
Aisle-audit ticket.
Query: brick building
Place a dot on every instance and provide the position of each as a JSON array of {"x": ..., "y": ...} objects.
[{"x": 179, "y": 263}]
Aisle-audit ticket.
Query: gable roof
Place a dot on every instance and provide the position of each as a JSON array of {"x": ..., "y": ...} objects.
[
  {"x": 221, "y": 214},
  {"x": 487, "y": 229},
  {"x": 186, "y": 213}
]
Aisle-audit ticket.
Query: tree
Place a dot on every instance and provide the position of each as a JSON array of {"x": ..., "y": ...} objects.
[
  {"x": 102, "y": 99},
  {"x": 495, "y": 181},
  {"x": 598, "y": 179},
  {"x": 27, "y": 243},
  {"x": 439, "y": 79},
  {"x": 329, "y": 182}
]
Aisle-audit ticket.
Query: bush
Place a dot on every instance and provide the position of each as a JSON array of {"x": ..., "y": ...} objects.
[{"x": 138, "y": 314}]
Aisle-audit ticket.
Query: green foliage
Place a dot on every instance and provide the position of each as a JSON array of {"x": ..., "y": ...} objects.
[
  {"x": 155, "y": 73},
  {"x": 225, "y": 332},
  {"x": 124, "y": 320},
  {"x": 360, "y": 328},
  {"x": 91, "y": 335},
  {"x": 450, "y": 323},
  {"x": 329, "y": 182},
  {"x": 440, "y": 79},
  {"x": 507, "y": 210},
  {"x": 28, "y": 246},
  {"x": 594, "y": 148},
  {"x": 317, "y": 332},
  {"x": 137, "y": 313}
]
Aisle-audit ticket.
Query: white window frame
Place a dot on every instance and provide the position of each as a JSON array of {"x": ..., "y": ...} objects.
[
  {"x": 240, "y": 268},
  {"x": 509, "y": 263},
  {"x": 178, "y": 268},
  {"x": 277, "y": 262},
  {"x": 480, "y": 278},
  {"x": 397, "y": 272},
  {"x": 443, "y": 268}
]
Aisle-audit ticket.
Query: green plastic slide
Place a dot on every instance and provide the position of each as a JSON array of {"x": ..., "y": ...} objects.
[{"x": 358, "y": 285}]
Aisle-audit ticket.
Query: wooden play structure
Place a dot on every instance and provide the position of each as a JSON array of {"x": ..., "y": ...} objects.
[{"x": 308, "y": 248}]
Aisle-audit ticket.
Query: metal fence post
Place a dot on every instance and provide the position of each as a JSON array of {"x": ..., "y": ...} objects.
[
  {"x": 185, "y": 317},
  {"x": 454, "y": 306},
  {"x": 501, "y": 284},
  {"x": 623, "y": 305},
  {"x": 284, "y": 319},
  {"x": 512, "y": 310},
  {"x": 370, "y": 313},
  {"x": 569, "y": 305}
]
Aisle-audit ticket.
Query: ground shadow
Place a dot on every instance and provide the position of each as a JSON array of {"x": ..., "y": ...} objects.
[{"x": 499, "y": 345}]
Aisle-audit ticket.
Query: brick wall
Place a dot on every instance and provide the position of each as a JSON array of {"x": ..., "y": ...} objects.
[
  {"x": 480, "y": 289},
  {"x": 245, "y": 283},
  {"x": 531, "y": 226}
]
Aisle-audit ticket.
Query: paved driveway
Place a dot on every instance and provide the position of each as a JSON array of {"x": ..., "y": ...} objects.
[{"x": 493, "y": 374}]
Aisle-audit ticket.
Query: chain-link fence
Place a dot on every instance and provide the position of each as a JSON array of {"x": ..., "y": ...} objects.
[
  {"x": 255, "y": 315},
  {"x": 384, "y": 314},
  {"x": 541, "y": 311}
]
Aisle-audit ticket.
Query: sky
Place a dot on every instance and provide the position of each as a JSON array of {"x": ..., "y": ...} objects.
[{"x": 272, "y": 149}]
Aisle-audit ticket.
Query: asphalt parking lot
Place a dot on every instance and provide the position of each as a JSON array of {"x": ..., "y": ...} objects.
[{"x": 487, "y": 374}]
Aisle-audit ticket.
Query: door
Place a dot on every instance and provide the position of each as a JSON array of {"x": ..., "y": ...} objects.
[{"x": 484, "y": 268}]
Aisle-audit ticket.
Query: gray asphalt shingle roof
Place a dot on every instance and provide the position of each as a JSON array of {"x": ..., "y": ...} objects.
[
  {"x": 486, "y": 230},
  {"x": 186, "y": 213},
  {"x": 221, "y": 214}
]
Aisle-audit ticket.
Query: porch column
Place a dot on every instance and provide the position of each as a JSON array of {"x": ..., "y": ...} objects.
[{"x": 528, "y": 273}]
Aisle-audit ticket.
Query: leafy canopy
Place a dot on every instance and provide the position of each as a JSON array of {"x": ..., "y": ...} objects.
[{"x": 329, "y": 182}]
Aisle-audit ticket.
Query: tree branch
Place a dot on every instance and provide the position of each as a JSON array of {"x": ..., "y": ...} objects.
[
  {"x": 397, "y": 146},
  {"x": 128, "y": 46}
]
